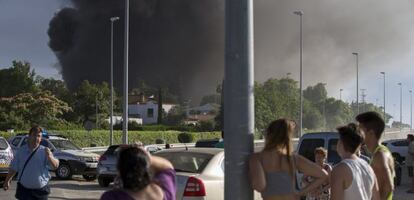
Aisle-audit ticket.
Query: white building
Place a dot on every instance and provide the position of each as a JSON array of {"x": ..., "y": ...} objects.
[
  {"x": 147, "y": 111},
  {"x": 118, "y": 120}
]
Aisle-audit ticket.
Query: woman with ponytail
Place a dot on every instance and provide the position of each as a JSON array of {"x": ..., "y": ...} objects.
[
  {"x": 143, "y": 177},
  {"x": 272, "y": 171}
]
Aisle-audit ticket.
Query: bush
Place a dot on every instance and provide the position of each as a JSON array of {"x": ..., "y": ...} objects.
[
  {"x": 185, "y": 138},
  {"x": 206, "y": 125},
  {"x": 159, "y": 141}
]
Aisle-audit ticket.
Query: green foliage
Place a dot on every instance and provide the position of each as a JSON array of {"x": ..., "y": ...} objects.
[
  {"x": 159, "y": 141},
  {"x": 208, "y": 125},
  {"x": 31, "y": 108},
  {"x": 185, "y": 138},
  {"x": 17, "y": 79},
  {"x": 175, "y": 116}
]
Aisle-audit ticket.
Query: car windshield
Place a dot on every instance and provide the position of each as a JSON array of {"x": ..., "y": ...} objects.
[
  {"x": 3, "y": 144},
  {"x": 187, "y": 161},
  {"x": 64, "y": 145}
]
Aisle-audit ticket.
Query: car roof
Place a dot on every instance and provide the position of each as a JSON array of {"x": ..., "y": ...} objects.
[
  {"x": 393, "y": 140},
  {"x": 212, "y": 151},
  {"x": 320, "y": 135}
]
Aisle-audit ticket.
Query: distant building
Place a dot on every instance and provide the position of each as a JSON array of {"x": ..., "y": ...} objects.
[
  {"x": 146, "y": 108},
  {"x": 205, "y": 112},
  {"x": 118, "y": 120}
]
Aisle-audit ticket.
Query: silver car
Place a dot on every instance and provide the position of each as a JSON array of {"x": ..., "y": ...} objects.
[
  {"x": 106, "y": 170},
  {"x": 6, "y": 156}
]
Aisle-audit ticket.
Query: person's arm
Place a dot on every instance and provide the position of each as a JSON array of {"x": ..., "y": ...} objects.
[
  {"x": 337, "y": 182},
  {"x": 53, "y": 162},
  {"x": 311, "y": 169},
  {"x": 327, "y": 183},
  {"x": 381, "y": 169},
  {"x": 159, "y": 164},
  {"x": 256, "y": 173},
  {"x": 375, "y": 191}
]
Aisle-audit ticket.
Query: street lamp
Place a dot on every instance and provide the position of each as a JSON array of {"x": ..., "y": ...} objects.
[
  {"x": 383, "y": 73},
  {"x": 411, "y": 110},
  {"x": 111, "y": 137},
  {"x": 357, "y": 81},
  {"x": 400, "y": 84},
  {"x": 324, "y": 110},
  {"x": 340, "y": 94},
  {"x": 300, "y": 14}
]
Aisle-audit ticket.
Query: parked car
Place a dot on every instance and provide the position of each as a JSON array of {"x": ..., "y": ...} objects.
[
  {"x": 398, "y": 148},
  {"x": 6, "y": 156},
  {"x": 310, "y": 141},
  {"x": 200, "y": 172},
  {"x": 207, "y": 143},
  {"x": 72, "y": 159},
  {"x": 106, "y": 170}
]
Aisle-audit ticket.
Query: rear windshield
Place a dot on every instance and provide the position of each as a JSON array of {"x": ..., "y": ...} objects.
[
  {"x": 333, "y": 156},
  {"x": 187, "y": 161},
  {"x": 3, "y": 144},
  {"x": 308, "y": 146},
  {"x": 111, "y": 150}
]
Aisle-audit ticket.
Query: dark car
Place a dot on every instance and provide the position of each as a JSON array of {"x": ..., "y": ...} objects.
[{"x": 207, "y": 143}]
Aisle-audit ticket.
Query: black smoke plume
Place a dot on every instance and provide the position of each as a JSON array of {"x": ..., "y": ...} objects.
[{"x": 177, "y": 44}]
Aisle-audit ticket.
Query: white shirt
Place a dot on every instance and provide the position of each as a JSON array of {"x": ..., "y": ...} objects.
[{"x": 363, "y": 180}]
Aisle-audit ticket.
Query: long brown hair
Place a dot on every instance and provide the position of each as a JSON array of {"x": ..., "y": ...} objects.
[{"x": 278, "y": 136}]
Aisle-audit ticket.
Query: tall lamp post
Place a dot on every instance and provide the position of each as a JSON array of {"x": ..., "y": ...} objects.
[
  {"x": 300, "y": 14},
  {"x": 400, "y": 84},
  {"x": 357, "y": 81},
  {"x": 340, "y": 94},
  {"x": 411, "y": 110},
  {"x": 111, "y": 137},
  {"x": 383, "y": 73}
]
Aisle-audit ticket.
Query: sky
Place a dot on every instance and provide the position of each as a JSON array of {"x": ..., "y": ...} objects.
[{"x": 381, "y": 31}]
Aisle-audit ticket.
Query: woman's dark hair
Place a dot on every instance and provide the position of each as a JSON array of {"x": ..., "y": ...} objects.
[
  {"x": 35, "y": 130},
  {"x": 133, "y": 166},
  {"x": 351, "y": 138}
]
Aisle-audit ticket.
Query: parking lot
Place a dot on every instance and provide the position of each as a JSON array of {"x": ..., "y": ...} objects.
[{"x": 79, "y": 189}]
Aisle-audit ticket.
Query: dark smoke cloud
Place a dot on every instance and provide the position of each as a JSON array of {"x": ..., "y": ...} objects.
[
  {"x": 180, "y": 43},
  {"x": 173, "y": 43}
]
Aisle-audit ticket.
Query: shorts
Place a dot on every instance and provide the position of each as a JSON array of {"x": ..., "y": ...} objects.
[{"x": 410, "y": 171}]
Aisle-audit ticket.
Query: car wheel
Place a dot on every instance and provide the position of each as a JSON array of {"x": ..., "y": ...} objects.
[
  {"x": 64, "y": 171},
  {"x": 89, "y": 177},
  {"x": 104, "y": 182}
]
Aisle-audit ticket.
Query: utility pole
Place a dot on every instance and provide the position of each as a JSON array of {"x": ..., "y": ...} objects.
[
  {"x": 300, "y": 14},
  {"x": 238, "y": 98}
]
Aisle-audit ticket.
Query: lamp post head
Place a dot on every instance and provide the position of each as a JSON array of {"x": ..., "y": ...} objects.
[
  {"x": 383, "y": 73},
  {"x": 400, "y": 84},
  {"x": 341, "y": 90},
  {"x": 411, "y": 91},
  {"x": 298, "y": 12},
  {"x": 354, "y": 53},
  {"x": 114, "y": 19}
]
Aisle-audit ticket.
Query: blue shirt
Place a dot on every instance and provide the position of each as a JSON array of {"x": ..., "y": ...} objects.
[{"x": 36, "y": 174}]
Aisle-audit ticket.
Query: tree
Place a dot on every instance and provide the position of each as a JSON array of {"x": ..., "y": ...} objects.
[
  {"x": 31, "y": 108},
  {"x": 17, "y": 79},
  {"x": 315, "y": 94},
  {"x": 212, "y": 98},
  {"x": 88, "y": 98}
]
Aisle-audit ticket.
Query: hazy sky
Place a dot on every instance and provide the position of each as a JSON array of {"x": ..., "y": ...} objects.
[{"x": 382, "y": 31}]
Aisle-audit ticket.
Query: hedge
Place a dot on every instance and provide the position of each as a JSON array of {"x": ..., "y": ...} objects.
[{"x": 101, "y": 137}]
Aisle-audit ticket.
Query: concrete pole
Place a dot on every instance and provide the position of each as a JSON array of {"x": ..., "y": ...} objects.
[
  {"x": 411, "y": 111},
  {"x": 111, "y": 132},
  {"x": 125, "y": 97},
  {"x": 238, "y": 98},
  {"x": 300, "y": 14},
  {"x": 340, "y": 94}
]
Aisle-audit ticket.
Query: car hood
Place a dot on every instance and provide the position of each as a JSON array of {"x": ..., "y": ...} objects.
[{"x": 80, "y": 153}]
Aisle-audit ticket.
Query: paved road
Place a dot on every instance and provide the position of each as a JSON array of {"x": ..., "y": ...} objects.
[{"x": 79, "y": 189}]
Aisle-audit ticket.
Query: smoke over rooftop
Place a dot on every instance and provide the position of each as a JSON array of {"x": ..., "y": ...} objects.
[{"x": 180, "y": 43}]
